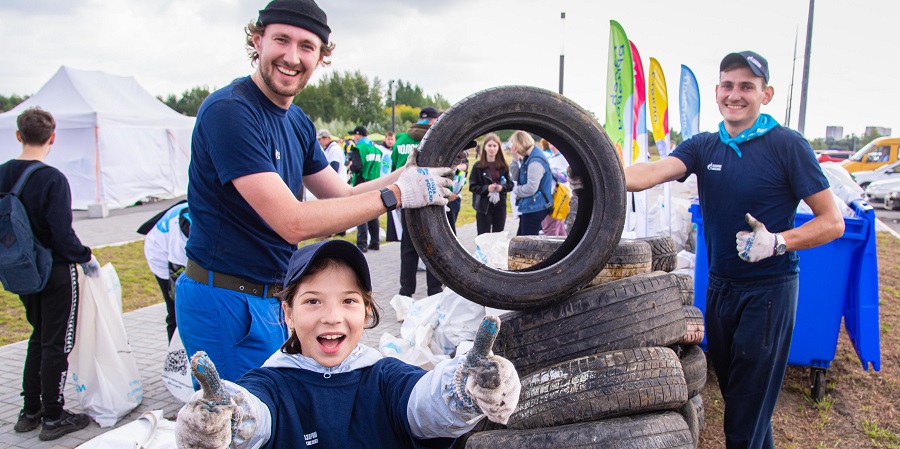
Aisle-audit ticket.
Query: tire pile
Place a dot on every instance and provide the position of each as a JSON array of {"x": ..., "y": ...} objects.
[{"x": 615, "y": 364}]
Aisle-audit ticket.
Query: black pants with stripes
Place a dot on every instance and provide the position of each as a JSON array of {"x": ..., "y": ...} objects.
[{"x": 52, "y": 313}]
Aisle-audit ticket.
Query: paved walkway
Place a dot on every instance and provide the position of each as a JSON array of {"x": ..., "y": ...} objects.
[{"x": 147, "y": 335}]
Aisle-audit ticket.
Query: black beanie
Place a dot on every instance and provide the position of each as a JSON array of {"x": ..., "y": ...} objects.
[{"x": 304, "y": 14}]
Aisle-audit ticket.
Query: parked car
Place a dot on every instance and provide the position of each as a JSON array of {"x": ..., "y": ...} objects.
[
  {"x": 866, "y": 177},
  {"x": 892, "y": 199},
  {"x": 878, "y": 190},
  {"x": 881, "y": 151},
  {"x": 833, "y": 155}
]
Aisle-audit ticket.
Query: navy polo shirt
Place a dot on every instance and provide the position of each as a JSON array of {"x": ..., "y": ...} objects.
[
  {"x": 241, "y": 132},
  {"x": 363, "y": 408},
  {"x": 777, "y": 170}
]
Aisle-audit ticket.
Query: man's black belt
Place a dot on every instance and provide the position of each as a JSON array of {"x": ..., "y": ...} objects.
[{"x": 228, "y": 282}]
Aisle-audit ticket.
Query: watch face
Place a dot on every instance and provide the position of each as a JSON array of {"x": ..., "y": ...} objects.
[{"x": 388, "y": 198}]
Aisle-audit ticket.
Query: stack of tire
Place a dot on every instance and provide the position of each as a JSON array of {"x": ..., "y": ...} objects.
[{"x": 616, "y": 364}]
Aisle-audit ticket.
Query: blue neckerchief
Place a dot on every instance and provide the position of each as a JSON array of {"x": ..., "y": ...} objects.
[{"x": 764, "y": 123}]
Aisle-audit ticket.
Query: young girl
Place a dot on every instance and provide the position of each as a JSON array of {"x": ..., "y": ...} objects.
[
  {"x": 490, "y": 178},
  {"x": 324, "y": 389}
]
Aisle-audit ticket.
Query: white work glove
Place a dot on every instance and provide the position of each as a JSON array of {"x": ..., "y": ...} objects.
[
  {"x": 494, "y": 197},
  {"x": 208, "y": 420},
  {"x": 755, "y": 245},
  {"x": 487, "y": 382},
  {"x": 424, "y": 186},
  {"x": 91, "y": 268}
]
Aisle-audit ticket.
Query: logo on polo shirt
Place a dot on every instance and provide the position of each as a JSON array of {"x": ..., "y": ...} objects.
[
  {"x": 714, "y": 167},
  {"x": 277, "y": 154},
  {"x": 311, "y": 438}
]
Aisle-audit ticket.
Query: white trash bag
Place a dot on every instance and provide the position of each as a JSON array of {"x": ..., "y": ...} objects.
[
  {"x": 458, "y": 319},
  {"x": 148, "y": 431},
  {"x": 492, "y": 249},
  {"x": 101, "y": 363},
  {"x": 176, "y": 372}
]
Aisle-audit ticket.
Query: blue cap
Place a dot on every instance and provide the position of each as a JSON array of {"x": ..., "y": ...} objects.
[
  {"x": 339, "y": 249},
  {"x": 758, "y": 65}
]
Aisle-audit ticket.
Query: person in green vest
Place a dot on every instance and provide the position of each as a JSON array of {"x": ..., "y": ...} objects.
[
  {"x": 365, "y": 165},
  {"x": 405, "y": 144}
]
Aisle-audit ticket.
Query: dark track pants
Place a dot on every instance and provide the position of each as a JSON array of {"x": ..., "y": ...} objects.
[
  {"x": 409, "y": 264},
  {"x": 52, "y": 314},
  {"x": 367, "y": 234},
  {"x": 165, "y": 288},
  {"x": 749, "y": 326}
]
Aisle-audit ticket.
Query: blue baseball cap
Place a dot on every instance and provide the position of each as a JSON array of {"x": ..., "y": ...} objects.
[
  {"x": 758, "y": 65},
  {"x": 339, "y": 249}
]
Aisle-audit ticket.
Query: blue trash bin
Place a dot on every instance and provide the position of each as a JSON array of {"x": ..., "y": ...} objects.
[{"x": 838, "y": 279}]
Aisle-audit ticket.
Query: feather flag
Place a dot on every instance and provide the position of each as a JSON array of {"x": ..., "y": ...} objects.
[
  {"x": 659, "y": 108},
  {"x": 639, "y": 129},
  {"x": 689, "y": 103},
  {"x": 619, "y": 90}
]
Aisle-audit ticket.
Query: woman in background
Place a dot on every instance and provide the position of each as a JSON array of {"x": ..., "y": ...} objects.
[{"x": 489, "y": 182}]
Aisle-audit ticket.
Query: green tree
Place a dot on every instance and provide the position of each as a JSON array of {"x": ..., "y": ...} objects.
[
  {"x": 189, "y": 102},
  {"x": 345, "y": 96},
  {"x": 7, "y": 103},
  {"x": 413, "y": 95}
]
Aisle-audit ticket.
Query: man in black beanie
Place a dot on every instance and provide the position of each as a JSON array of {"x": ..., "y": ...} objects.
[{"x": 253, "y": 151}]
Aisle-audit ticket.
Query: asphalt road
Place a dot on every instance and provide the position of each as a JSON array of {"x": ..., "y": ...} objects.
[{"x": 889, "y": 217}]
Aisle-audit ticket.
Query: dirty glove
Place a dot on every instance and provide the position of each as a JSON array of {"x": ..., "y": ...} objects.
[
  {"x": 91, "y": 268},
  {"x": 755, "y": 245},
  {"x": 487, "y": 382},
  {"x": 424, "y": 186},
  {"x": 206, "y": 422}
]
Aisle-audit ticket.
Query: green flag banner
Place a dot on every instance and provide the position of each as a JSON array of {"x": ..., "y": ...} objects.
[{"x": 619, "y": 89}]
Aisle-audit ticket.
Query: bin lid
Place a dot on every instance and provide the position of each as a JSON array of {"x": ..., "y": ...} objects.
[{"x": 861, "y": 308}]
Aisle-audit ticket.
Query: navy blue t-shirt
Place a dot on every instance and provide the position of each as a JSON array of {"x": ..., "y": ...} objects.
[
  {"x": 363, "y": 408},
  {"x": 777, "y": 170},
  {"x": 241, "y": 132}
]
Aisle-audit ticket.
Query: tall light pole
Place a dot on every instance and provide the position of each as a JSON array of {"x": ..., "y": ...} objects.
[
  {"x": 393, "y": 104},
  {"x": 790, "y": 98},
  {"x": 562, "y": 49},
  {"x": 804, "y": 87}
]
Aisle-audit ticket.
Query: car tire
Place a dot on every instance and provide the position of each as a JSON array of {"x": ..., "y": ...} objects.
[
  {"x": 693, "y": 320},
  {"x": 693, "y": 362},
  {"x": 600, "y": 386},
  {"x": 666, "y": 430},
  {"x": 630, "y": 258},
  {"x": 601, "y": 208},
  {"x": 685, "y": 283},
  {"x": 643, "y": 310},
  {"x": 665, "y": 256},
  {"x": 693, "y": 413}
]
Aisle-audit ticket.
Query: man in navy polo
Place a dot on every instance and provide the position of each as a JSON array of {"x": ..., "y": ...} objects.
[
  {"x": 252, "y": 153},
  {"x": 751, "y": 176}
]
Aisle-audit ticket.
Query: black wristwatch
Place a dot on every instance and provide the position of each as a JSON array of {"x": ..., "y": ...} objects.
[{"x": 388, "y": 198}]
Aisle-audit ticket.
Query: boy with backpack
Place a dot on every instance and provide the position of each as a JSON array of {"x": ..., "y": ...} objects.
[{"x": 37, "y": 196}]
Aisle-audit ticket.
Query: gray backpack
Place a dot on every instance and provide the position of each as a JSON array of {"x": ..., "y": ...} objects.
[{"x": 24, "y": 264}]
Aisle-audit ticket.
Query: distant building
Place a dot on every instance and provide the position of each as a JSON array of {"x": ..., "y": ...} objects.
[
  {"x": 880, "y": 130},
  {"x": 834, "y": 132}
]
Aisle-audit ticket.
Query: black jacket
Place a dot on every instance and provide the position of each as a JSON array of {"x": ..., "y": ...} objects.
[
  {"x": 479, "y": 180},
  {"x": 48, "y": 203}
]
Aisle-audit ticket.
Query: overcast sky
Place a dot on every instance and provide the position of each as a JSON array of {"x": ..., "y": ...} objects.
[{"x": 459, "y": 47}]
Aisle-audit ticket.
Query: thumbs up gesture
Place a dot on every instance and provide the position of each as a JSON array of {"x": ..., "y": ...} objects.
[
  {"x": 487, "y": 382},
  {"x": 206, "y": 422},
  {"x": 755, "y": 245}
]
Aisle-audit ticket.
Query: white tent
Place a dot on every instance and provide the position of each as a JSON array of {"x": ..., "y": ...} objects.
[{"x": 115, "y": 142}]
